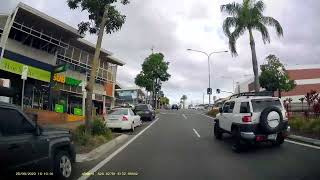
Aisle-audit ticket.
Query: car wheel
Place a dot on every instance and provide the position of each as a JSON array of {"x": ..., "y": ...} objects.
[
  {"x": 62, "y": 165},
  {"x": 217, "y": 131},
  {"x": 238, "y": 144},
  {"x": 279, "y": 140}
]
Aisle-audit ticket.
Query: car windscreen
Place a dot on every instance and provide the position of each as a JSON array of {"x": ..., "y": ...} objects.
[
  {"x": 258, "y": 105},
  {"x": 118, "y": 112},
  {"x": 141, "y": 107}
]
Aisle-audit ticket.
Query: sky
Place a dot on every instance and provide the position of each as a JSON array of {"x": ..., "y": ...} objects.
[{"x": 172, "y": 27}]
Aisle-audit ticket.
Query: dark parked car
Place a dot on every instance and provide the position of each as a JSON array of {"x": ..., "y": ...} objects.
[
  {"x": 145, "y": 111},
  {"x": 29, "y": 150},
  {"x": 174, "y": 106}
]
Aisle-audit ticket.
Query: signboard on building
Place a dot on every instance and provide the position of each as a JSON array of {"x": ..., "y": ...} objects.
[
  {"x": 61, "y": 68},
  {"x": 66, "y": 80},
  {"x": 58, "y": 108},
  {"x": 17, "y": 68},
  {"x": 77, "y": 111}
]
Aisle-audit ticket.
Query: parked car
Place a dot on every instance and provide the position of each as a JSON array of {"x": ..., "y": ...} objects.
[
  {"x": 145, "y": 111},
  {"x": 122, "y": 118},
  {"x": 251, "y": 119},
  {"x": 175, "y": 106},
  {"x": 26, "y": 145}
]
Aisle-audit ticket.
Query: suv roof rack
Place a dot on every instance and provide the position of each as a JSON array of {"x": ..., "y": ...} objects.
[{"x": 264, "y": 93}]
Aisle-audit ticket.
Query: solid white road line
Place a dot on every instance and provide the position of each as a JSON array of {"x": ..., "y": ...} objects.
[
  {"x": 302, "y": 144},
  {"x": 107, "y": 159},
  {"x": 184, "y": 116},
  {"x": 195, "y": 131}
]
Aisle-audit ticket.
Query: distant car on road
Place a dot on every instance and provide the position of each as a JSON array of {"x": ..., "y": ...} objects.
[
  {"x": 145, "y": 111},
  {"x": 122, "y": 118},
  {"x": 175, "y": 106}
]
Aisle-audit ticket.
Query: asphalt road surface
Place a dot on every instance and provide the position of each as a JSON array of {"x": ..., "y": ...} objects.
[{"x": 180, "y": 145}]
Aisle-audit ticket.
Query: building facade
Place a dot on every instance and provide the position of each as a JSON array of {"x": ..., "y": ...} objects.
[
  {"x": 33, "y": 39},
  {"x": 306, "y": 77}
]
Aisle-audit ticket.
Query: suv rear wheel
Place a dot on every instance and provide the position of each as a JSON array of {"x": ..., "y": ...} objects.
[
  {"x": 279, "y": 140},
  {"x": 62, "y": 165},
  {"x": 217, "y": 131}
]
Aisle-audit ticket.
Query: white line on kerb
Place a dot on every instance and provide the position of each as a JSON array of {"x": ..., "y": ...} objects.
[
  {"x": 184, "y": 116},
  {"x": 195, "y": 131},
  {"x": 107, "y": 159},
  {"x": 302, "y": 144}
]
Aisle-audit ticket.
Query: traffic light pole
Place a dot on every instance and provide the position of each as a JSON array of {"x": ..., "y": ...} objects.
[{"x": 209, "y": 79}]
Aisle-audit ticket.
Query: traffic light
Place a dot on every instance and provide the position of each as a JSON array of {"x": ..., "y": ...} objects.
[
  {"x": 218, "y": 91},
  {"x": 209, "y": 91}
]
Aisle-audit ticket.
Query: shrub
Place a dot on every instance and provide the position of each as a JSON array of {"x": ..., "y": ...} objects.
[
  {"x": 108, "y": 134},
  {"x": 81, "y": 138},
  {"x": 213, "y": 112},
  {"x": 80, "y": 129},
  {"x": 296, "y": 123},
  {"x": 98, "y": 127}
]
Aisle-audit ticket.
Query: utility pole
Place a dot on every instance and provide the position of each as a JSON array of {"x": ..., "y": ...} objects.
[{"x": 203, "y": 98}]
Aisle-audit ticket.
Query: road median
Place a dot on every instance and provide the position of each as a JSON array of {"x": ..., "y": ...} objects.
[
  {"x": 311, "y": 141},
  {"x": 102, "y": 149}
]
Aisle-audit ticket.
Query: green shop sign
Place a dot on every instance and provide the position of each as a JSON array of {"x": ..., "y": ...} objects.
[
  {"x": 66, "y": 80},
  {"x": 16, "y": 68},
  {"x": 77, "y": 111},
  {"x": 58, "y": 108}
]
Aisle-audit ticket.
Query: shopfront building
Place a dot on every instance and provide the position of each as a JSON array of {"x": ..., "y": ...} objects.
[{"x": 43, "y": 43}]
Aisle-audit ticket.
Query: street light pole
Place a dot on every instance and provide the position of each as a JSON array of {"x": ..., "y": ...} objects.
[{"x": 208, "y": 55}]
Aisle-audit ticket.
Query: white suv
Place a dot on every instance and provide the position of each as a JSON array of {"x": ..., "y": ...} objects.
[{"x": 252, "y": 117}]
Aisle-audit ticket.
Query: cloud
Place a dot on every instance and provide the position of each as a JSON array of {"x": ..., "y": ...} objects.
[{"x": 174, "y": 26}]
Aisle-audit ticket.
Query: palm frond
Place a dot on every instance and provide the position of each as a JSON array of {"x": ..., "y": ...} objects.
[
  {"x": 232, "y": 8},
  {"x": 259, "y": 6},
  {"x": 234, "y": 36},
  {"x": 264, "y": 32},
  {"x": 228, "y": 23},
  {"x": 270, "y": 21}
]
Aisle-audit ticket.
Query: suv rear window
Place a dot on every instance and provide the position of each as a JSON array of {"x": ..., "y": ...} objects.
[
  {"x": 245, "y": 107},
  {"x": 259, "y": 105}
]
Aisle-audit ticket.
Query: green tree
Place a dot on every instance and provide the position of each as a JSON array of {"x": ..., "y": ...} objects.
[
  {"x": 154, "y": 71},
  {"x": 164, "y": 100},
  {"x": 183, "y": 99},
  {"x": 274, "y": 76},
  {"x": 248, "y": 16},
  {"x": 103, "y": 16}
]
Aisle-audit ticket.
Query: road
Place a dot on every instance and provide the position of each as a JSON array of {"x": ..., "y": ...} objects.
[{"x": 180, "y": 145}]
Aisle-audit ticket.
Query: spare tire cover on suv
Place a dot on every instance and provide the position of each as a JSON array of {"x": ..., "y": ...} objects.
[{"x": 270, "y": 119}]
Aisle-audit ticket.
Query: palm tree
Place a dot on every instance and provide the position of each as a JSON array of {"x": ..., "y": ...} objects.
[{"x": 248, "y": 16}]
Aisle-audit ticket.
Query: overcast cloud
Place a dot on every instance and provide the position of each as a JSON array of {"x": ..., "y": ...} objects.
[{"x": 174, "y": 26}]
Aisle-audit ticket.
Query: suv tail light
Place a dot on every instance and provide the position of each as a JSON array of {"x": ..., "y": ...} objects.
[
  {"x": 124, "y": 118},
  {"x": 246, "y": 119}
]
